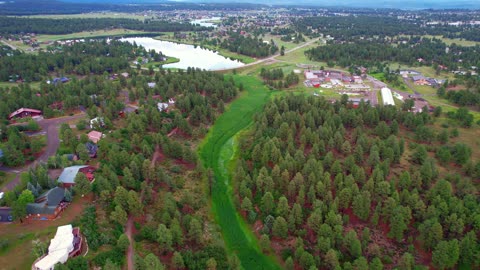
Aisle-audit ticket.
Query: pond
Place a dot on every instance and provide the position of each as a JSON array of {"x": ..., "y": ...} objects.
[
  {"x": 189, "y": 55},
  {"x": 206, "y": 22}
]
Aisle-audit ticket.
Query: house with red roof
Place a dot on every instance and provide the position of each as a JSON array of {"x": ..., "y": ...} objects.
[{"x": 24, "y": 112}]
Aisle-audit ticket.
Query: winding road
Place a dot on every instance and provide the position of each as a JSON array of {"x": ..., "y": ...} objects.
[{"x": 50, "y": 127}]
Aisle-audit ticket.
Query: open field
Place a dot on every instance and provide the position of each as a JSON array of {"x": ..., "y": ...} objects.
[
  {"x": 299, "y": 57},
  {"x": 90, "y": 34},
  {"x": 93, "y": 15},
  {"x": 450, "y": 41},
  {"x": 430, "y": 94},
  {"x": 426, "y": 71},
  {"x": 280, "y": 43},
  {"x": 401, "y": 87},
  {"x": 216, "y": 153}
]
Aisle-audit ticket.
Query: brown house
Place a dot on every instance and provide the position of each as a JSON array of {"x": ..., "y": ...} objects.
[{"x": 24, "y": 112}]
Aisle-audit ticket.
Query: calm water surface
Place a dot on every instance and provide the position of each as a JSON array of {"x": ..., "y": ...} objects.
[{"x": 189, "y": 55}]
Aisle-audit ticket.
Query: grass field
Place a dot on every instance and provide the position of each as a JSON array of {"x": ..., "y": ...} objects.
[
  {"x": 216, "y": 152},
  {"x": 430, "y": 94},
  {"x": 89, "y": 34}
]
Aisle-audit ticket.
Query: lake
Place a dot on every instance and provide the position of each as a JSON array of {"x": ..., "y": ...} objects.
[
  {"x": 189, "y": 55},
  {"x": 206, "y": 22}
]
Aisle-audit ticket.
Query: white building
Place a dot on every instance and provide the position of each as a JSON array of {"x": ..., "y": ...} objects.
[
  {"x": 59, "y": 249},
  {"x": 387, "y": 96}
]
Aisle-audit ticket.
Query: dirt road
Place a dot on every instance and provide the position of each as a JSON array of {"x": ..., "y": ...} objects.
[
  {"x": 129, "y": 226},
  {"x": 50, "y": 127}
]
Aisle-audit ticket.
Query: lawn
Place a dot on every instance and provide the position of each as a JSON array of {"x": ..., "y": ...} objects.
[
  {"x": 17, "y": 254},
  {"x": 430, "y": 94},
  {"x": 216, "y": 152},
  {"x": 93, "y": 15},
  {"x": 279, "y": 42},
  {"x": 90, "y": 34},
  {"x": 299, "y": 57}
]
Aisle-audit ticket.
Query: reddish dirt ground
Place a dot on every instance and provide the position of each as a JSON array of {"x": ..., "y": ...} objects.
[{"x": 129, "y": 228}]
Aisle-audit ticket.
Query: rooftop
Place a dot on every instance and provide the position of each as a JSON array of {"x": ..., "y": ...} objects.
[
  {"x": 47, "y": 202},
  {"x": 68, "y": 175}
]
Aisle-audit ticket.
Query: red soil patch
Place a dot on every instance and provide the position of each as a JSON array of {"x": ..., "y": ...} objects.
[
  {"x": 187, "y": 165},
  {"x": 422, "y": 257}
]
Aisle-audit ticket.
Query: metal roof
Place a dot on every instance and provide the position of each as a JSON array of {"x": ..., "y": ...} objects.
[{"x": 68, "y": 175}]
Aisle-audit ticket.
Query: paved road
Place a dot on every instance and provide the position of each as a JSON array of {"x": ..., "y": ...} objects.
[
  {"x": 9, "y": 45},
  {"x": 50, "y": 126},
  {"x": 272, "y": 58}
]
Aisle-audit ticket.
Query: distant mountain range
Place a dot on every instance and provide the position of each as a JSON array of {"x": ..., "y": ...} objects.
[{"x": 396, "y": 4}]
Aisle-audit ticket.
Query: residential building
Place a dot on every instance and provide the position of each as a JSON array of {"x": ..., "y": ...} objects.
[
  {"x": 48, "y": 205},
  {"x": 68, "y": 175},
  {"x": 95, "y": 136},
  {"x": 25, "y": 112},
  {"x": 66, "y": 244},
  {"x": 420, "y": 80}
]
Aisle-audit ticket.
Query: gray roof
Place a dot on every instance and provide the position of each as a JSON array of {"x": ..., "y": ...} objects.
[
  {"x": 47, "y": 202},
  {"x": 68, "y": 175},
  {"x": 419, "y": 77}
]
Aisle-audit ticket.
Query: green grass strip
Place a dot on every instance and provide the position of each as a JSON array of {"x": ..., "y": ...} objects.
[{"x": 216, "y": 152}]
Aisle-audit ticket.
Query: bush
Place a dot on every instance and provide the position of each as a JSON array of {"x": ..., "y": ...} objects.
[{"x": 115, "y": 255}]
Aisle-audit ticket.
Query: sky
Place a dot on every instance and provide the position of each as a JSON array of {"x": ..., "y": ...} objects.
[{"x": 400, "y": 4}]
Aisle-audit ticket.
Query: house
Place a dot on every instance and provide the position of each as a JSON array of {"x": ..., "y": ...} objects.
[
  {"x": 68, "y": 175},
  {"x": 420, "y": 80},
  {"x": 95, "y": 136},
  {"x": 55, "y": 81},
  {"x": 48, "y": 205},
  {"x": 97, "y": 122},
  {"x": 66, "y": 244},
  {"x": 409, "y": 72},
  {"x": 25, "y": 112},
  {"x": 6, "y": 214},
  {"x": 125, "y": 75},
  {"x": 357, "y": 79},
  {"x": 164, "y": 106},
  {"x": 92, "y": 149},
  {"x": 152, "y": 84}
]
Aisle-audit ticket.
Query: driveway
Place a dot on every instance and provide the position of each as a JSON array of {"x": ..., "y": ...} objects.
[{"x": 50, "y": 127}]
